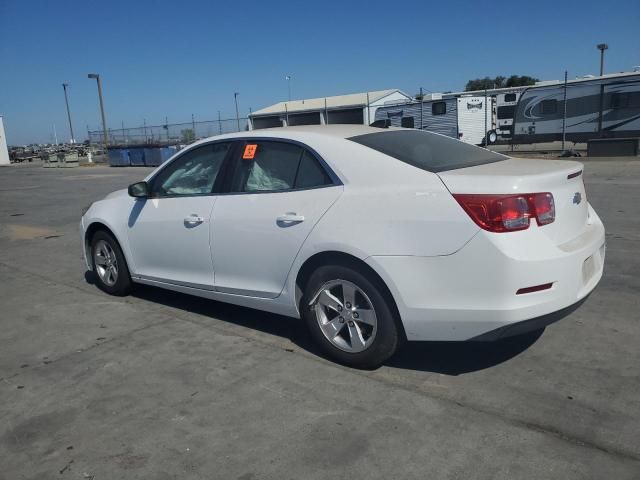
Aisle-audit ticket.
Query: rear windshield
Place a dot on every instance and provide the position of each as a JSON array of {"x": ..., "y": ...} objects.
[{"x": 428, "y": 151}]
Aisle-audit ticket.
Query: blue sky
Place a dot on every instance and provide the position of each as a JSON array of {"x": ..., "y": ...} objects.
[{"x": 174, "y": 59}]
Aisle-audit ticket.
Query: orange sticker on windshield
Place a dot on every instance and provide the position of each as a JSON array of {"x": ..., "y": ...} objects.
[{"x": 249, "y": 151}]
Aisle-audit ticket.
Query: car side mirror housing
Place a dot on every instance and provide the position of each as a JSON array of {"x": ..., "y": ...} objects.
[{"x": 139, "y": 190}]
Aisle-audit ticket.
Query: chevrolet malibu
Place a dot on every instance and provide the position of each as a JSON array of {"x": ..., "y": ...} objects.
[{"x": 371, "y": 236}]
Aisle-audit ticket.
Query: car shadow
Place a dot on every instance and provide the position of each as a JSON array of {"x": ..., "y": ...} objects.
[
  {"x": 457, "y": 358},
  {"x": 448, "y": 358}
]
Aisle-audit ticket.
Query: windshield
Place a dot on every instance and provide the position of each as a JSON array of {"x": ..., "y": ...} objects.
[{"x": 428, "y": 151}]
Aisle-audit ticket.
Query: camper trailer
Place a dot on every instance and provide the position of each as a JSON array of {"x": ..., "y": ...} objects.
[
  {"x": 505, "y": 104},
  {"x": 606, "y": 106},
  {"x": 463, "y": 117}
]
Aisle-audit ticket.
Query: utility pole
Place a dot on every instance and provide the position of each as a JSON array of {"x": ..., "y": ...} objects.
[
  {"x": 219, "y": 123},
  {"x": 602, "y": 47},
  {"x": 66, "y": 100},
  {"x": 104, "y": 121},
  {"x": 288, "y": 79},
  {"x": 193, "y": 126},
  {"x": 235, "y": 99}
]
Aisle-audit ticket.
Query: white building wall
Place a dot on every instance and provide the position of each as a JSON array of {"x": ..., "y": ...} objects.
[{"x": 4, "y": 151}]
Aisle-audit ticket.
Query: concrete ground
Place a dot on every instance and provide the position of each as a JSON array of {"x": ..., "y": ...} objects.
[{"x": 160, "y": 385}]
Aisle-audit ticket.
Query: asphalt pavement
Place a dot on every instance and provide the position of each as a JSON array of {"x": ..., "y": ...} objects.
[{"x": 160, "y": 385}]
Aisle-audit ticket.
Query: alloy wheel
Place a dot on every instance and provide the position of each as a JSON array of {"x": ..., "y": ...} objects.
[
  {"x": 345, "y": 315},
  {"x": 106, "y": 263}
]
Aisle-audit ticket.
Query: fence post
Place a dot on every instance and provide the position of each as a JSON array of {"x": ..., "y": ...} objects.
[
  {"x": 368, "y": 110},
  {"x": 564, "y": 110},
  {"x": 421, "y": 109},
  {"x": 486, "y": 139}
]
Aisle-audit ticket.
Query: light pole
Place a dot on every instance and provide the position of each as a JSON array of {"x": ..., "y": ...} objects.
[
  {"x": 104, "y": 121},
  {"x": 602, "y": 47},
  {"x": 288, "y": 79},
  {"x": 66, "y": 100},
  {"x": 235, "y": 99}
]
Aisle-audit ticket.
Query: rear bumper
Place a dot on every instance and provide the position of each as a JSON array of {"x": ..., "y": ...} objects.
[
  {"x": 526, "y": 326},
  {"x": 471, "y": 294}
]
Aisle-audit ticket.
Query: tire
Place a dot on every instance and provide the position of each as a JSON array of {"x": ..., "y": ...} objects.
[
  {"x": 112, "y": 276},
  {"x": 492, "y": 137},
  {"x": 365, "y": 333}
]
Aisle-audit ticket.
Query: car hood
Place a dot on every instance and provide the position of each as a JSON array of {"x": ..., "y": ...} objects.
[{"x": 117, "y": 194}]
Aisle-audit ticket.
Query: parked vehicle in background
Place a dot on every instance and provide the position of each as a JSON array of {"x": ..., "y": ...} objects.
[
  {"x": 505, "y": 107},
  {"x": 607, "y": 106},
  {"x": 371, "y": 236},
  {"x": 464, "y": 117}
]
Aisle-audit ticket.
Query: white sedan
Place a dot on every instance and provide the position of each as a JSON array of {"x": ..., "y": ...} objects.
[{"x": 371, "y": 236}]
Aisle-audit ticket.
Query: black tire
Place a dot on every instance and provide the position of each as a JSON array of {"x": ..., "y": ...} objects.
[
  {"x": 492, "y": 137},
  {"x": 387, "y": 337},
  {"x": 123, "y": 284}
]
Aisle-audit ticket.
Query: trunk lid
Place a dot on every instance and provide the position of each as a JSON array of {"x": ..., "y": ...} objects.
[{"x": 520, "y": 176}]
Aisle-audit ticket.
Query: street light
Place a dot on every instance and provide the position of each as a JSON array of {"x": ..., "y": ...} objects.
[
  {"x": 104, "y": 121},
  {"x": 288, "y": 79},
  {"x": 66, "y": 100},
  {"x": 602, "y": 47},
  {"x": 235, "y": 99}
]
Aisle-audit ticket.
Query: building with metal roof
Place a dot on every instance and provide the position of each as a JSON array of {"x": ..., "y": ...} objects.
[{"x": 354, "y": 108}]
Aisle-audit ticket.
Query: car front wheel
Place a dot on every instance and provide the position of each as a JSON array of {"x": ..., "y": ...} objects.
[
  {"x": 350, "y": 317},
  {"x": 109, "y": 265}
]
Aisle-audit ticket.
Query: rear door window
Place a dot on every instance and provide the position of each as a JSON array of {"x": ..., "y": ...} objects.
[
  {"x": 310, "y": 173},
  {"x": 271, "y": 166},
  {"x": 428, "y": 151}
]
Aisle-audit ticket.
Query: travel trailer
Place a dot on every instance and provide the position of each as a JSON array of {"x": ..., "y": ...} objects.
[
  {"x": 465, "y": 117},
  {"x": 606, "y": 106}
]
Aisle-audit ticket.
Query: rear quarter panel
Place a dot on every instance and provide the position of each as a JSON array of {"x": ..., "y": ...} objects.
[{"x": 388, "y": 208}]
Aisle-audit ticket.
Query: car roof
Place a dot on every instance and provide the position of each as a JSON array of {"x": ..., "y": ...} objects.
[{"x": 298, "y": 132}]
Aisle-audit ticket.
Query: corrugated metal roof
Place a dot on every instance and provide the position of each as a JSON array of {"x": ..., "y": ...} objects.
[{"x": 352, "y": 99}]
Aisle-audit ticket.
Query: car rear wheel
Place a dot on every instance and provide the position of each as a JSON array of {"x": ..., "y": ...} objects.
[
  {"x": 109, "y": 265},
  {"x": 492, "y": 137},
  {"x": 349, "y": 317}
]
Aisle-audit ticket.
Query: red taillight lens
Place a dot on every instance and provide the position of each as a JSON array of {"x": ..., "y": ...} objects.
[
  {"x": 508, "y": 213},
  {"x": 545, "y": 208}
]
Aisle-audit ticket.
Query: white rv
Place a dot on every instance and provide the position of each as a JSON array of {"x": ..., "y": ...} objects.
[{"x": 465, "y": 117}]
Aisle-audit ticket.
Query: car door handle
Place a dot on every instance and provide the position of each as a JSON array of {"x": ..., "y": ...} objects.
[
  {"x": 193, "y": 219},
  {"x": 289, "y": 218}
]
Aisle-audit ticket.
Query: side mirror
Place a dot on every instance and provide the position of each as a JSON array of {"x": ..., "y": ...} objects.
[{"x": 139, "y": 190}]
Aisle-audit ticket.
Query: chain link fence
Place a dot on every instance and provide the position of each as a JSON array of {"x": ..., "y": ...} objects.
[{"x": 168, "y": 134}]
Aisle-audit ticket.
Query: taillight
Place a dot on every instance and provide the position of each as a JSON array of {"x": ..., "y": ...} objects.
[
  {"x": 545, "y": 208},
  {"x": 508, "y": 213}
]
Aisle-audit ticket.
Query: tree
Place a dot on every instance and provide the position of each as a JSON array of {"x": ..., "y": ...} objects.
[
  {"x": 520, "y": 81},
  {"x": 489, "y": 83},
  {"x": 188, "y": 135}
]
